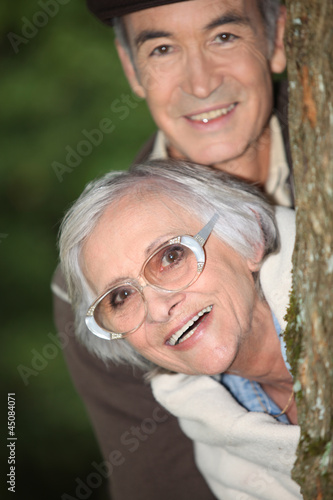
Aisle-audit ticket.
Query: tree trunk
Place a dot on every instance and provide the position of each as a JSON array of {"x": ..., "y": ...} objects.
[{"x": 309, "y": 43}]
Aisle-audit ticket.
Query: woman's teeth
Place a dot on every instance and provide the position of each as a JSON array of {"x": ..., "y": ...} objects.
[
  {"x": 175, "y": 339},
  {"x": 211, "y": 115}
]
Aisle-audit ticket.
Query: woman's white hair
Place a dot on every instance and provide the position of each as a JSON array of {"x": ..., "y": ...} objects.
[{"x": 246, "y": 223}]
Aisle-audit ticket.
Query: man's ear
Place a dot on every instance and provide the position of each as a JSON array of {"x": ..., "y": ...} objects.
[
  {"x": 130, "y": 71},
  {"x": 278, "y": 60}
]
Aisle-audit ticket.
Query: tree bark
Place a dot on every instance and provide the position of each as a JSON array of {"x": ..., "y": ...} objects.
[{"x": 309, "y": 335}]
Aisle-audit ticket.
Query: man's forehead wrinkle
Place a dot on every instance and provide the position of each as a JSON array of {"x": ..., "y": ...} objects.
[
  {"x": 231, "y": 17},
  {"x": 146, "y": 35},
  {"x": 228, "y": 18}
]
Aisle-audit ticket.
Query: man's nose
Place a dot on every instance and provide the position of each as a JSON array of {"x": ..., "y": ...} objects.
[
  {"x": 161, "y": 305},
  {"x": 200, "y": 77}
]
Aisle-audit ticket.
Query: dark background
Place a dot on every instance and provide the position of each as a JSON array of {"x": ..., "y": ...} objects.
[{"x": 59, "y": 76}]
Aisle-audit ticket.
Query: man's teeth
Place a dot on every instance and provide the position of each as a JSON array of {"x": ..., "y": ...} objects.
[
  {"x": 211, "y": 115},
  {"x": 176, "y": 336}
]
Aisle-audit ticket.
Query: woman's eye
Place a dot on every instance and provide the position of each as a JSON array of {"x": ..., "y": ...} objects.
[
  {"x": 118, "y": 297},
  {"x": 172, "y": 256}
]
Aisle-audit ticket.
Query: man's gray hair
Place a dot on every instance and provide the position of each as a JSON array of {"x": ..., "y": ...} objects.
[
  {"x": 246, "y": 223},
  {"x": 269, "y": 10}
]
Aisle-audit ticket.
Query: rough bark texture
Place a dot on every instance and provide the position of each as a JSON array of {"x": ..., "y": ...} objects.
[{"x": 309, "y": 43}]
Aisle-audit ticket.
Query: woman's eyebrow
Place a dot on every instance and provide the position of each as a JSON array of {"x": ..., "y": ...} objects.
[
  {"x": 117, "y": 281},
  {"x": 148, "y": 251},
  {"x": 158, "y": 242},
  {"x": 146, "y": 35},
  {"x": 228, "y": 18}
]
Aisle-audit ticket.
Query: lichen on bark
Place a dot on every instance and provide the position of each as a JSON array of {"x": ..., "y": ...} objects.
[{"x": 309, "y": 335}]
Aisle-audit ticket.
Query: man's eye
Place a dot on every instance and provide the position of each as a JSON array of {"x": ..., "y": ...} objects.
[
  {"x": 225, "y": 38},
  {"x": 161, "y": 50}
]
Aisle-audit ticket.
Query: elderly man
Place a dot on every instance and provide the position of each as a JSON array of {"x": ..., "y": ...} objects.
[{"x": 204, "y": 68}]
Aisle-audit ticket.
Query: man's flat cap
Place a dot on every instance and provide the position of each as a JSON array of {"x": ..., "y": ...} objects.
[{"x": 106, "y": 10}]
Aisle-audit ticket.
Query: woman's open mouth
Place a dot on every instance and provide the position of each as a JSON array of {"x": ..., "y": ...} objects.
[{"x": 189, "y": 328}]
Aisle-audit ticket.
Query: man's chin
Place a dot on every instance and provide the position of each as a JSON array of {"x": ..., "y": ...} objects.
[
  {"x": 223, "y": 157},
  {"x": 226, "y": 160}
]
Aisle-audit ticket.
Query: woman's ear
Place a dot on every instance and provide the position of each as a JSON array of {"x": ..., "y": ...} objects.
[
  {"x": 254, "y": 264},
  {"x": 130, "y": 70},
  {"x": 278, "y": 59}
]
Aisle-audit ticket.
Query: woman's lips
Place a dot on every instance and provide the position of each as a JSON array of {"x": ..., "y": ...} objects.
[{"x": 178, "y": 337}]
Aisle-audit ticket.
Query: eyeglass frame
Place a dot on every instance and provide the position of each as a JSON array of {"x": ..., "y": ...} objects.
[{"x": 194, "y": 243}]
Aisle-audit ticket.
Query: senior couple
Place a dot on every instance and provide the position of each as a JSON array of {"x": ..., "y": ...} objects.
[{"x": 179, "y": 273}]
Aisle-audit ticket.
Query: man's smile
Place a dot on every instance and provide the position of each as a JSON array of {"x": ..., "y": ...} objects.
[{"x": 208, "y": 116}]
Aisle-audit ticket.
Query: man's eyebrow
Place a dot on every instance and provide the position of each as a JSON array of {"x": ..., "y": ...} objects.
[
  {"x": 146, "y": 35},
  {"x": 229, "y": 18}
]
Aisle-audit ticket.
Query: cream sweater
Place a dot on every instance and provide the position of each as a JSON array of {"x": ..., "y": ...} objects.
[{"x": 242, "y": 455}]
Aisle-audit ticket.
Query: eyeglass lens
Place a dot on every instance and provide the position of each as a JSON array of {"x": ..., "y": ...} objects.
[{"x": 173, "y": 267}]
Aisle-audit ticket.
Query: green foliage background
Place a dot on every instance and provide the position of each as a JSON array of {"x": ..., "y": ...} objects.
[{"x": 62, "y": 79}]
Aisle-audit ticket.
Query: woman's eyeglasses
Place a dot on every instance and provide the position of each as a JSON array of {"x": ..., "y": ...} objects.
[{"x": 173, "y": 267}]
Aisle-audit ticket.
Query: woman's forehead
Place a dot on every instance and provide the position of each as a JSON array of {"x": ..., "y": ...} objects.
[
  {"x": 130, "y": 228},
  {"x": 146, "y": 208}
]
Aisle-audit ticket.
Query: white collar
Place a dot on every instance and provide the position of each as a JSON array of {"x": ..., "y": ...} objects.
[{"x": 276, "y": 186}]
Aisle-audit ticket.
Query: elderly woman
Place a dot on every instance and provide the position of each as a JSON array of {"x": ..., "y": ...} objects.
[{"x": 164, "y": 266}]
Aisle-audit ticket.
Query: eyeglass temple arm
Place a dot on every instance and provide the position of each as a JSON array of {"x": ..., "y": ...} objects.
[{"x": 202, "y": 235}]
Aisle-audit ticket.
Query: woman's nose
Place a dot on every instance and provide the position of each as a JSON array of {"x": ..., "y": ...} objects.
[{"x": 161, "y": 305}]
